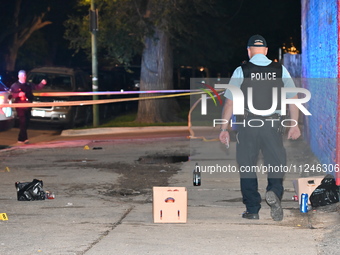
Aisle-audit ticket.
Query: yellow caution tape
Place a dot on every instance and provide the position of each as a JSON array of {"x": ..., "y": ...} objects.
[
  {"x": 106, "y": 101},
  {"x": 91, "y": 102},
  {"x": 102, "y": 93}
]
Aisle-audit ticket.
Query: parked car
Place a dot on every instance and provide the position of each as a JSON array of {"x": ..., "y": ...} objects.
[
  {"x": 6, "y": 113},
  {"x": 61, "y": 79}
]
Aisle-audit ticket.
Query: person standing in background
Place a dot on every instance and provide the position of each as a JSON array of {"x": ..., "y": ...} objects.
[{"x": 22, "y": 92}]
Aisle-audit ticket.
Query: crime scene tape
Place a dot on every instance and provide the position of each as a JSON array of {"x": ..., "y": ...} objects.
[
  {"x": 106, "y": 101},
  {"x": 98, "y": 101},
  {"x": 191, "y": 131},
  {"x": 99, "y": 93}
]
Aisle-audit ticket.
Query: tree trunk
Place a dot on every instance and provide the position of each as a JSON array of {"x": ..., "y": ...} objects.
[
  {"x": 11, "y": 57},
  {"x": 156, "y": 74}
]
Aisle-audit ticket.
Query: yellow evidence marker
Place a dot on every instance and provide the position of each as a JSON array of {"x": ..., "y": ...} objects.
[{"x": 3, "y": 216}]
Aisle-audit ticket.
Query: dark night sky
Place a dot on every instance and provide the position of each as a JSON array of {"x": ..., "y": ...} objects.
[{"x": 276, "y": 20}]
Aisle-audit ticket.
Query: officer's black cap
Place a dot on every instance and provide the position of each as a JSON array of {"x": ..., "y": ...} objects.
[{"x": 257, "y": 41}]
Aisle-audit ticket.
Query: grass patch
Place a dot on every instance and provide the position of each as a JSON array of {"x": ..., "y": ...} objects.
[{"x": 128, "y": 120}]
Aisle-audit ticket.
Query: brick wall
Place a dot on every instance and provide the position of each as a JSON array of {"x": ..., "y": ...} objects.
[{"x": 320, "y": 71}]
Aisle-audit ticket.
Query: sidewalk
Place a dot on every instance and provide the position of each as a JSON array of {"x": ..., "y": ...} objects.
[
  {"x": 81, "y": 218},
  {"x": 121, "y": 130},
  {"x": 214, "y": 223}
]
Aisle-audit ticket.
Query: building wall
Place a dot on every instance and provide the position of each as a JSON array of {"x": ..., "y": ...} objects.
[
  {"x": 320, "y": 71},
  {"x": 293, "y": 64}
]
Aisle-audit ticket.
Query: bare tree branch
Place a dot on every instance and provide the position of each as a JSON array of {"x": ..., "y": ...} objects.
[
  {"x": 21, "y": 31},
  {"x": 36, "y": 24}
]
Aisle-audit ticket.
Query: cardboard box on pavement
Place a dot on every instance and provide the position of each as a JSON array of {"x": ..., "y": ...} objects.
[
  {"x": 306, "y": 185},
  {"x": 170, "y": 204}
]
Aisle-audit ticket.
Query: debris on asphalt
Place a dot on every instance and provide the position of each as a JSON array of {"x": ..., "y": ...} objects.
[
  {"x": 6, "y": 170},
  {"x": 30, "y": 191}
]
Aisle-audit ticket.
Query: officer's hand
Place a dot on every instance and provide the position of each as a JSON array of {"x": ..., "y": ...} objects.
[
  {"x": 294, "y": 133},
  {"x": 43, "y": 81},
  {"x": 224, "y": 137}
]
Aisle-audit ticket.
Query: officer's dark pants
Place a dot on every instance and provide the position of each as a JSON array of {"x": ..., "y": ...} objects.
[
  {"x": 24, "y": 115},
  {"x": 252, "y": 140}
]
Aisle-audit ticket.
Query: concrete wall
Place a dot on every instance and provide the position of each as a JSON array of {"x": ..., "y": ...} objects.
[
  {"x": 293, "y": 64},
  {"x": 320, "y": 72}
]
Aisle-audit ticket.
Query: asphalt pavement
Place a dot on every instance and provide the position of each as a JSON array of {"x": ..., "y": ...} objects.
[{"x": 84, "y": 219}]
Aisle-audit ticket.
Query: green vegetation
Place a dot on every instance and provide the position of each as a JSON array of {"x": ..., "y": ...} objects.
[{"x": 128, "y": 120}]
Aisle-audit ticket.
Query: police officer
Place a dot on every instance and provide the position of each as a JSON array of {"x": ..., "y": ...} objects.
[
  {"x": 22, "y": 92},
  {"x": 260, "y": 75}
]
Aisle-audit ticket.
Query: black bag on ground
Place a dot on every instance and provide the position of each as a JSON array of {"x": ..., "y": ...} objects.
[
  {"x": 30, "y": 191},
  {"x": 326, "y": 193}
]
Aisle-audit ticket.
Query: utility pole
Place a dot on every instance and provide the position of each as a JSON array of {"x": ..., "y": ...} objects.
[{"x": 94, "y": 30}]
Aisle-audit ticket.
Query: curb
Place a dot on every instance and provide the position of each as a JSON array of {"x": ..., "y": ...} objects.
[{"x": 117, "y": 130}]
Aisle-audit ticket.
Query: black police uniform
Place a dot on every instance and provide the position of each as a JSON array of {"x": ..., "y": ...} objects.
[
  {"x": 24, "y": 113},
  {"x": 265, "y": 138}
]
